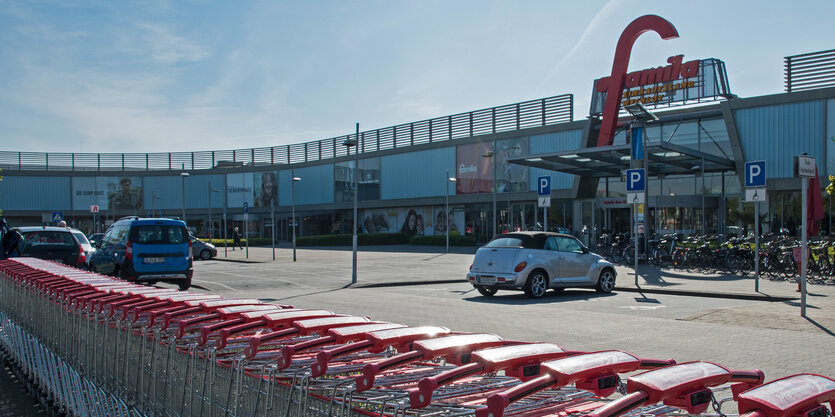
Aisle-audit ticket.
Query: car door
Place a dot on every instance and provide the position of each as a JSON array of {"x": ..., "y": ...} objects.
[
  {"x": 574, "y": 260},
  {"x": 98, "y": 260},
  {"x": 552, "y": 259}
]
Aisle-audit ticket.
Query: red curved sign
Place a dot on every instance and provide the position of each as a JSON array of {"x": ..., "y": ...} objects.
[{"x": 613, "y": 84}]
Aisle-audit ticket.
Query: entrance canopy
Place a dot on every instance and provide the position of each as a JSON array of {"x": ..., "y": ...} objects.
[{"x": 610, "y": 161}]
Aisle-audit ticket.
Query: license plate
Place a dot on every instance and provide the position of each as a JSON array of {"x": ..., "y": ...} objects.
[
  {"x": 60, "y": 261},
  {"x": 158, "y": 260},
  {"x": 485, "y": 280}
]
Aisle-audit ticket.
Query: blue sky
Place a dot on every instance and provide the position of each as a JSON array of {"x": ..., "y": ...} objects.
[{"x": 159, "y": 76}]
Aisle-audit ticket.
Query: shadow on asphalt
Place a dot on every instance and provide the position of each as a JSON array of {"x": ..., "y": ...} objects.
[
  {"x": 819, "y": 326},
  {"x": 519, "y": 298}
]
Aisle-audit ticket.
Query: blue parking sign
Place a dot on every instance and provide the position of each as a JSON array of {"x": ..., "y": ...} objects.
[
  {"x": 246, "y": 207},
  {"x": 543, "y": 186},
  {"x": 755, "y": 174},
  {"x": 636, "y": 180}
]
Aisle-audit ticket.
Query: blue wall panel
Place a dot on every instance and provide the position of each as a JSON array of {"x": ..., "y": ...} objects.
[
  {"x": 168, "y": 191},
  {"x": 315, "y": 187},
  {"x": 35, "y": 193},
  {"x": 554, "y": 142},
  {"x": 416, "y": 174},
  {"x": 776, "y": 133}
]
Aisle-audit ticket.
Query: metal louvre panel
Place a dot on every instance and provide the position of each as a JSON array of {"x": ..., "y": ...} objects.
[
  {"x": 776, "y": 133},
  {"x": 315, "y": 187},
  {"x": 398, "y": 179},
  {"x": 36, "y": 193},
  {"x": 554, "y": 142}
]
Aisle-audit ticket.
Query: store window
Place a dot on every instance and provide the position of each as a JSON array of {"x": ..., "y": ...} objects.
[{"x": 368, "y": 180}]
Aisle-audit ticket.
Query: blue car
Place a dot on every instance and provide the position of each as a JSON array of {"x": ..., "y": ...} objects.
[{"x": 146, "y": 250}]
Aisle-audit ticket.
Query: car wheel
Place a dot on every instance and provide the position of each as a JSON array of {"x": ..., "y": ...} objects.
[
  {"x": 537, "y": 284},
  {"x": 184, "y": 285},
  {"x": 205, "y": 255},
  {"x": 486, "y": 291},
  {"x": 606, "y": 282}
]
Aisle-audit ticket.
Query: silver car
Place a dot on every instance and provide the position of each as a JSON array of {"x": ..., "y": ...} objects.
[
  {"x": 535, "y": 261},
  {"x": 202, "y": 250}
]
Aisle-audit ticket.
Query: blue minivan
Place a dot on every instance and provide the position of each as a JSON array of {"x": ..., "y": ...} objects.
[{"x": 146, "y": 250}]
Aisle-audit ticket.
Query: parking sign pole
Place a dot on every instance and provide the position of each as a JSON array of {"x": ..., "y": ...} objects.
[
  {"x": 635, "y": 230},
  {"x": 756, "y": 246}
]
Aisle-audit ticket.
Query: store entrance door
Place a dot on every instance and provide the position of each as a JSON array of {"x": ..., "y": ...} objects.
[{"x": 614, "y": 215}]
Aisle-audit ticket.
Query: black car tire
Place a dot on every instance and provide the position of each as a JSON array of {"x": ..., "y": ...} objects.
[
  {"x": 205, "y": 255},
  {"x": 606, "y": 281},
  {"x": 487, "y": 291},
  {"x": 537, "y": 284},
  {"x": 185, "y": 284}
]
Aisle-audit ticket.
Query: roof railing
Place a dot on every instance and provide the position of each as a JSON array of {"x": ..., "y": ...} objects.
[{"x": 527, "y": 114}]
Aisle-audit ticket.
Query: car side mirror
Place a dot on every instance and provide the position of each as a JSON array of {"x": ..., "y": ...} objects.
[{"x": 585, "y": 249}]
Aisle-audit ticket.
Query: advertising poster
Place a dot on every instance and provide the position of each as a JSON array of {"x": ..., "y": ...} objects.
[
  {"x": 455, "y": 218},
  {"x": 379, "y": 221},
  {"x": 474, "y": 172},
  {"x": 511, "y": 177},
  {"x": 124, "y": 193},
  {"x": 266, "y": 189},
  {"x": 239, "y": 190},
  {"x": 90, "y": 191}
]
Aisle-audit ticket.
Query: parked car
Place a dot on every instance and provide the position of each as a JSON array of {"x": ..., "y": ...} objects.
[
  {"x": 95, "y": 238},
  {"x": 146, "y": 250},
  {"x": 536, "y": 261},
  {"x": 204, "y": 250},
  {"x": 57, "y": 244},
  {"x": 85, "y": 244}
]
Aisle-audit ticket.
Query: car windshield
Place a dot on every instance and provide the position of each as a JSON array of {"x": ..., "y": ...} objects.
[
  {"x": 505, "y": 242},
  {"x": 158, "y": 234},
  {"x": 47, "y": 237},
  {"x": 81, "y": 238}
]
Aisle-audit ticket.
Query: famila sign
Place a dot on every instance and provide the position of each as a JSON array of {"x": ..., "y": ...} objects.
[{"x": 677, "y": 83}]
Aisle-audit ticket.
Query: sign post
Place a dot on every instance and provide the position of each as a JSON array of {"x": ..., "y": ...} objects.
[
  {"x": 544, "y": 193},
  {"x": 755, "y": 192},
  {"x": 636, "y": 184},
  {"x": 804, "y": 167}
]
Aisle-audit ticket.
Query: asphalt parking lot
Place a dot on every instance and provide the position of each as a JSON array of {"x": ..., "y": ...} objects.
[{"x": 685, "y": 316}]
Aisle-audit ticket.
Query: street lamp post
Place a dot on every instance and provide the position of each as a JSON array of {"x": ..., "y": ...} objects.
[
  {"x": 349, "y": 142},
  {"x": 293, "y": 220},
  {"x": 446, "y": 209},
  {"x": 183, "y": 175},
  {"x": 491, "y": 154}
]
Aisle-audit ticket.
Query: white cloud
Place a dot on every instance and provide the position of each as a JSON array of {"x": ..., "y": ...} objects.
[{"x": 168, "y": 47}]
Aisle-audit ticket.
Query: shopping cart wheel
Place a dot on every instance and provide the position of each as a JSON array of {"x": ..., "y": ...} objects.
[
  {"x": 486, "y": 291},
  {"x": 184, "y": 285},
  {"x": 606, "y": 282}
]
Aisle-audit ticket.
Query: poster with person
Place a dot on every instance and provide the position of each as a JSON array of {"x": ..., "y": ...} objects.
[
  {"x": 265, "y": 189},
  {"x": 414, "y": 221},
  {"x": 454, "y": 220},
  {"x": 124, "y": 193},
  {"x": 511, "y": 177},
  {"x": 378, "y": 220}
]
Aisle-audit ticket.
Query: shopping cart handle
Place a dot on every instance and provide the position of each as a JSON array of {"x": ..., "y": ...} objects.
[
  {"x": 185, "y": 323},
  {"x": 422, "y": 396},
  {"x": 359, "y": 332},
  {"x": 287, "y": 352},
  {"x": 225, "y": 334},
  {"x": 132, "y": 306},
  {"x": 456, "y": 349},
  {"x": 795, "y": 395},
  {"x": 168, "y": 316},
  {"x": 370, "y": 371},
  {"x": 622, "y": 405},
  {"x": 206, "y": 331},
  {"x": 497, "y": 403},
  {"x": 256, "y": 341},
  {"x": 324, "y": 357}
]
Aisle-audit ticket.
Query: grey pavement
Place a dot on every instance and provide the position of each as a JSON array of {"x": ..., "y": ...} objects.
[{"x": 375, "y": 269}]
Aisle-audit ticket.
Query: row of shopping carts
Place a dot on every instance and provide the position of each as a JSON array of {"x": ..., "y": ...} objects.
[{"x": 94, "y": 345}]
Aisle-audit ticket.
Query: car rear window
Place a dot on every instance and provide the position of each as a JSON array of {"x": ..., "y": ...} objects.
[
  {"x": 505, "y": 242},
  {"x": 47, "y": 237},
  {"x": 81, "y": 238},
  {"x": 158, "y": 234}
]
